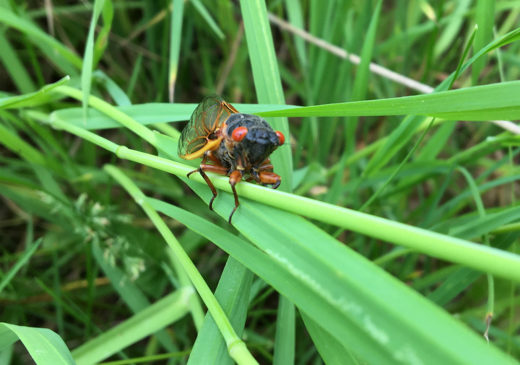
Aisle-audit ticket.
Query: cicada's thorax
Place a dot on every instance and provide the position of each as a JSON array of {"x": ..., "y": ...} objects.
[{"x": 248, "y": 154}]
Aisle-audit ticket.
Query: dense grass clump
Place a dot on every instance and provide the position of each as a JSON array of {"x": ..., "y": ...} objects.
[{"x": 393, "y": 237}]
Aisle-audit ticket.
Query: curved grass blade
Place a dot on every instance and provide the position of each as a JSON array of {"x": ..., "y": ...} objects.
[{"x": 44, "y": 346}]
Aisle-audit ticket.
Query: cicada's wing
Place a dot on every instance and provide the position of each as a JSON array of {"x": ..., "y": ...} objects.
[{"x": 199, "y": 134}]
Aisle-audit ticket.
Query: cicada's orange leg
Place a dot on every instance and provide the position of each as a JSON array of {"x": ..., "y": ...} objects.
[
  {"x": 266, "y": 176},
  {"x": 234, "y": 179},
  {"x": 270, "y": 178},
  {"x": 217, "y": 168}
]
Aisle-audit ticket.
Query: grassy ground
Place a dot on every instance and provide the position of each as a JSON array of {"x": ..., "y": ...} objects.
[{"x": 392, "y": 239}]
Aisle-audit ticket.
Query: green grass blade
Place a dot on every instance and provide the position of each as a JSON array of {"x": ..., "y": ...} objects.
[
  {"x": 478, "y": 103},
  {"x": 285, "y": 333},
  {"x": 204, "y": 13},
  {"x": 19, "y": 264}
]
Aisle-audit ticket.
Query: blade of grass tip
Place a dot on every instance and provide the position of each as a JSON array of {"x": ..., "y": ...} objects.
[
  {"x": 19, "y": 101},
  {"x": 88, "y": 57},
  {"x": 268, "y": 86},
  {"x": 204, "y": 13},
  {"x": 19, "y": 264},
  {"x": 175, "y": 44},
  {"x": 236, "y": 347},
  {"x": 102, "y": 38},
  {"x": 490, "y": 279}
]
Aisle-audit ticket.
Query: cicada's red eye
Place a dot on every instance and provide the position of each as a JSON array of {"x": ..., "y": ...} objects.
[
  {"x": 239, "y": 133},
  {"x": 281, "y": 137}
]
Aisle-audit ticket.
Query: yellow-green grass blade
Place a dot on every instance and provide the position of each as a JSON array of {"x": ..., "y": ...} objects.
[
  {"x": 44, "y": 346},
  {"x": 233, "y": 294}
]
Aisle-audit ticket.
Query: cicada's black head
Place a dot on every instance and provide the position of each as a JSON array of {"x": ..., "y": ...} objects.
[{"x": 249, "y": 140}]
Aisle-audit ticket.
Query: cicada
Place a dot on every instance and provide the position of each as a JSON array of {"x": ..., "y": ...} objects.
[{"x": 231, "y": 144}]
